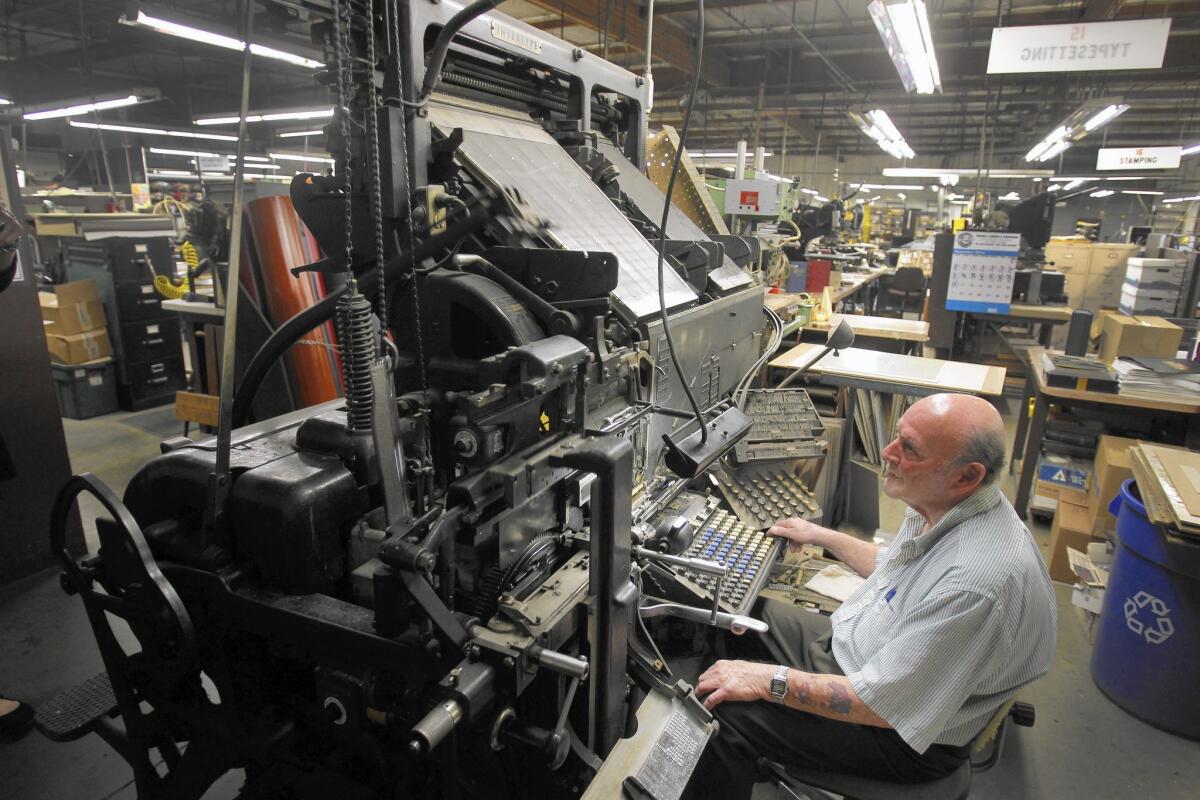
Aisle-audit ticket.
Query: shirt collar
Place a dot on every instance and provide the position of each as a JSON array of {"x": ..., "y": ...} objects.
[{"x": 978, "y": 502}]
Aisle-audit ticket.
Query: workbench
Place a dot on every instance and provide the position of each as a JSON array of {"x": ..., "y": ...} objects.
[{"x": 1031, "y": 426}]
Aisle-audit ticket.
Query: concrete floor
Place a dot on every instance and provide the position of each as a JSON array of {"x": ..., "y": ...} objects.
[{"x": 1082, "y": 745}]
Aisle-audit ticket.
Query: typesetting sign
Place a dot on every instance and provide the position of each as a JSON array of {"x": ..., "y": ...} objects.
[
  {"x": 1138, "y": 157},
  {"x": 1135, "y": 44},
  {"x": 982, "y": 272}
]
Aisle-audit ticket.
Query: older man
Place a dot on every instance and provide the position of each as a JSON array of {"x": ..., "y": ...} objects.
[{"x": 954, "y": 617}]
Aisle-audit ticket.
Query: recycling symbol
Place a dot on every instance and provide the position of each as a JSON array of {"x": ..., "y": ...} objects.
[{"x": 1160, "y": 626}]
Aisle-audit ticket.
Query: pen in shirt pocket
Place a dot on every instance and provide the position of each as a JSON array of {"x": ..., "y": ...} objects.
[{"x": 887, "y": 598}]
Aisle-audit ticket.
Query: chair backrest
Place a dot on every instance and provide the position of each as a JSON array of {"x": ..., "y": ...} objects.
[
  {"x": 907, "y": 279},
  {"x": 992, "y": 728}
]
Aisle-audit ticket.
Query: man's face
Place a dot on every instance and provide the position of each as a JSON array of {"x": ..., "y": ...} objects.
[{"x": 917, "y": 461}]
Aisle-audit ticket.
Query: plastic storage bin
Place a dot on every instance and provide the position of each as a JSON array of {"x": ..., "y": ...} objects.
[
  {"x": 85, "y": 390},
  {"x": 1148, "y": 642}
]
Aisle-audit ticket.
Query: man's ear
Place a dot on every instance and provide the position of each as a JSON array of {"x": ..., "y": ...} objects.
[{"x": 972, "y": 474}]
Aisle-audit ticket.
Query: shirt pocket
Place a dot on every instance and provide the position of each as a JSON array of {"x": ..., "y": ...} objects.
[{"x": 875, "y": 625}]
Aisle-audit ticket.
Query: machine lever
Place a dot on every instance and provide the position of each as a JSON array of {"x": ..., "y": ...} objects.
[{"x": 736, "y": 624}]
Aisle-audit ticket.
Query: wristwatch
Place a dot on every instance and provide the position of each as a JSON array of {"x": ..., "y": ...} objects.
[{"x": 779, "y": 683}]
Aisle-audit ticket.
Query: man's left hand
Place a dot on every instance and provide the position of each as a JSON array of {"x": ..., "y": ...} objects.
[{"x": 735, "y": 680}]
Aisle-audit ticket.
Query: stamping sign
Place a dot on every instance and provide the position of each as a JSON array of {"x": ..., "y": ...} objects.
[
  {"x": 1133, "y": 44},
  {"x": 1138, "y": 157}
]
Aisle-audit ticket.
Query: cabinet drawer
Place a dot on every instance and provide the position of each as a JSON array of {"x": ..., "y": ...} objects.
[
  {"x": 151, "y": 339},
  {"x": 137, "y": 302},
  {"x": 151, "y": 383}
]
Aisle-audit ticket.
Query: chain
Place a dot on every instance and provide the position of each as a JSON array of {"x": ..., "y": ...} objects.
[
  {"x": 341, "y": 34},
  {"x": 376, "y": 189},
  {"x": 403, "y": 133}
]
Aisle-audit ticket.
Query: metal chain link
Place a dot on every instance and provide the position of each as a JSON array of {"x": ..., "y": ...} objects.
[
  {"x": 341, "y": 35},
  {"x": 403, "y": 133},
  {"x": 372, "y": 124}
]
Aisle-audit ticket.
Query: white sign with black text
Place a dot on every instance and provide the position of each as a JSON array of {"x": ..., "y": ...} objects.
[
  {"x": 1132, "y": 44},
  {"x": 1138, "y": 157}
]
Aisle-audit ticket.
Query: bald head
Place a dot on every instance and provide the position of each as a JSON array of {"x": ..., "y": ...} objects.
[{"x": 972, "y": 429}]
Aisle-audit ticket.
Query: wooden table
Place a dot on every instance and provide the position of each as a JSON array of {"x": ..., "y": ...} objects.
[
  {"x": 1032, "y": 427},
  {"x": 860, "y": 281},
  {"x": 1044, "y": 317},
  {"x": 913, "y": 332},
  {"x": 855, "y": 368}
]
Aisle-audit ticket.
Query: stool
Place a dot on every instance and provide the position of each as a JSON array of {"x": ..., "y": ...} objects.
[{"x": 955, "y": 786}]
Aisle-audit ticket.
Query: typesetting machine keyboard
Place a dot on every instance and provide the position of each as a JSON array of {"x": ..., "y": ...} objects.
[{"x": 745, "y": 552}]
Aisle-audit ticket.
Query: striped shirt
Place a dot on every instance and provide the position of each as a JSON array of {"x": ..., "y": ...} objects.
[{"x": 950, "y": 624}]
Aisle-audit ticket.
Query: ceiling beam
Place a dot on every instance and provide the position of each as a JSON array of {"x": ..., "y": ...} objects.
[{"x": 671, "y": 44}]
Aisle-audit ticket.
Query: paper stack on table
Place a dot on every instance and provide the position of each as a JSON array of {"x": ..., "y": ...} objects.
[
  {"x": 1157, "y": 378},
  {"x": 835, "y": 581}
]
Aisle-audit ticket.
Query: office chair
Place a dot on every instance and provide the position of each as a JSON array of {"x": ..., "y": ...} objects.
[
  {"x": 795, "y": 782},
  {"x": 904, "y": 291}
]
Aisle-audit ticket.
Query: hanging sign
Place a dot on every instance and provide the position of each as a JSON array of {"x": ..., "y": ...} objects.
[
  {"x": 982, "y": 272},
  {"x": 1132, "y": 44},
  {"x": 1138, "y": 157},
  {"x": 214, "y": 163}
]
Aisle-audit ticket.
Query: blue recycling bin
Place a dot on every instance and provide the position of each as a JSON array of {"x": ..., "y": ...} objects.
[{"x": 1147, "y": 648}]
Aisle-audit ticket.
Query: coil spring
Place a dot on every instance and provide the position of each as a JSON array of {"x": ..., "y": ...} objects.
[{"x": 356, "y": 336}]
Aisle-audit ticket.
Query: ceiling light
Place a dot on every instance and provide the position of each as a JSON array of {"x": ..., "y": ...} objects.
[
  {"x": 1010, "y": 196},
  {"x": 1190, "y": 150},
  {"x": 267, "y": 116},
  {"x": 4, "y": 101},
  {"x": 202, "y": 36},
  {"x": 108, "y": 126},
  {"x": 893, "y": 186},
  {"x": 294, "y": 134},
  {"x": 1105, "y": 115},
  {"x": 171, "y": 173},
  {"x": 1140, "y": 191},
  {"x": 1054, "y": 187},
  {"x": 878, "y": 125},
  {"x": 300, "y": 157},
  {"x": 1090, "y": 116},
  {"x": 904, "y": 28},
  {"x": 1075, "y": 184},
  {"x": 75, "y": 109},
  {"x": 902, "y": 196},
  {"x": 1182, "y": 199},
  {"x": 931, "y": 172},
  {"x": 873, "y": 199},
  {"x": 1102, "y": 193}
]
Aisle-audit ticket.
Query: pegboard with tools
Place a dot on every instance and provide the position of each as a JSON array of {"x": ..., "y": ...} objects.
[
  {"x": 762, "y": 494},
  {"x": 786, "y": 426}
]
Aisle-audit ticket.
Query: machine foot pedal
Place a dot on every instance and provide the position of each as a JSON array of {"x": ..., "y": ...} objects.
[{"x": 75, "y": 712}]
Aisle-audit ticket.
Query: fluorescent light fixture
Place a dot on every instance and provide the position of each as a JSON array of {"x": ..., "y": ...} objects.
[
  {"x": 904, "y": 28},
  {"x": 108, "y": 126},
  {"x": 1091, "y": 116},
  {"x": 931, "y": 172},
  {"x": 821, "y": 198},
  {"x": 1183, "y": 199},
  {"x": 267, "y": 116},
  {"x": 76, "y": 109},
  {"x": 4, "y": 101},
  {"x": 295, "y": 134},
  {"x": 878, "y": 126},
  {"x": 873, "y": 199},
  {"x": 1075, "y": 184},
  {"x": 1054, "y": 187},
  {"x": 1105, "y": 116},
  {"x": 202, "y": 36},
  {"x": 301, "y": 157},
  {"x": 1010, "y": 196},
  {"x": 1190, "y": 150},
  {"x": 809, "y": 191},
  {"x": 1141, "y": 191},
  {"x": 171, "y": 173},
  {"x": 1102, "y": 193},
  {"x": 724, "y": 154},
  {"x": 167, "y": 151},
  {"x": 893, "y": 186}
]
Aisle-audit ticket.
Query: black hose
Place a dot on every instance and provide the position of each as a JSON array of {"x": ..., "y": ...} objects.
[
  {"x": 321, "y": 312},
  {"x": 437, "y": 57}
]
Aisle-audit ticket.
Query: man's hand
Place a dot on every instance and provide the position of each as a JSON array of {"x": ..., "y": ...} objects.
[
  {"x": 798, "y": 533},
  {"x": 740, "y": 681}
]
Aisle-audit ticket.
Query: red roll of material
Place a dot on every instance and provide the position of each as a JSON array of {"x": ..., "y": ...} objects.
[
  {"x": 818, "y": 274},
  {"x": 281, "y": 242}
]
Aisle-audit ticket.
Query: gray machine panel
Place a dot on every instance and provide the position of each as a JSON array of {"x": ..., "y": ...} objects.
[
  {"x": 518, "y": 155},
  {"x": 649, "y": 199}
]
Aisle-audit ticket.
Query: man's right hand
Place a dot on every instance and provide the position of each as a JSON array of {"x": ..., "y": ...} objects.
[{"x": 798, "y": 532}]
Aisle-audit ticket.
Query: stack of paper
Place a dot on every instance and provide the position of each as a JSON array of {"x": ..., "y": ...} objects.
[
  {"x": 1158, "y": 378},
  {"x": 875, "y": 418},
  {"x": 1168, "y": 479}
]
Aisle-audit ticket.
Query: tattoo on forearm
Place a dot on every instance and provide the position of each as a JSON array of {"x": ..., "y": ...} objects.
[{"x": 839, "y": 701}]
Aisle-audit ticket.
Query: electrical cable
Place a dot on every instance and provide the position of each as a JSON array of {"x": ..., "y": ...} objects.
[{"x": 662, "y": 242}]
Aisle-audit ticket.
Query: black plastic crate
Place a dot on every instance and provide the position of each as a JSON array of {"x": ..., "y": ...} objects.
[{"x": 85, "y": 390}]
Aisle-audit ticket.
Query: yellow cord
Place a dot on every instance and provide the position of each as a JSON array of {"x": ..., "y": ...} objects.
[{"x": 169, "y": 288}]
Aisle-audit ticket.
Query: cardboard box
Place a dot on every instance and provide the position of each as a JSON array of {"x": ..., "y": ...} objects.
[
  {"x": 79, "y": 348},
  {"x": 66, "y": 319},
  {"x": 1111, "y": 469},
  {"x": 1071, "y": 528},
  {"x": 1139, "y": 302},
  {"x": 1046, "y": 496},
  {"x": 1065, "y": 473},
  {"x": 1124, "y": 335}
]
